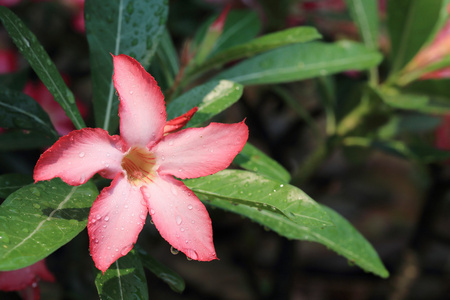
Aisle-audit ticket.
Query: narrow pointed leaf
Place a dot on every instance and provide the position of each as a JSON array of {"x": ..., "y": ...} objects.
[
  {"x": 39, "y": 60},
  {"x": 119, "y": 27},
  {"x": 124, "y": 280},
  {"x": 165, "y": 64},
  {"x": 211, "y": 98},
  {"x": 39, "y": 218},
  {"x": 259, "y": 45},
  {"x": 173, "y": 279},
  {"x": 18, "y": 110},
  {"x": 253, "y": 159},
  {"x": 243, "y": 187},
  {"x": 343, "y": 238},
  {"x": 10, "y": 183},
  {"x": 412, "y": 23},
  {"x": 365, "y": 15},
  {"x": 302, "y": 61}
]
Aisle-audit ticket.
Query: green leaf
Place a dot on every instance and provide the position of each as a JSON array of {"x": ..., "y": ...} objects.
[
  {"x": 411, "y": 23},
  {"x": 39, "y": 218},
  {"x": 417, "y": 102},
  {"x": 9, "y": 183},
  {"x": 124, "y": 280},
  {"x": 415, "y": 151},
  {"x": 21, "y": 111},
  {"x": 253, "y": 159},
  {"x": 39, "y": 60},
  {"x": 175, "y": 281},
  {"x": 211, "y": 98},
  {"x": 258, "y": 45},
  {"x": 365, "y": 15},
  {"x": 119, "y": 27},
  {"x": 343, "y": 238},
  {"x": 240, "y": 27},
  {"x": 165, "y": 62},
  {"x": 302, "y": 61},
  {"x": 13, "y": 140},
  {"x": 243, "y": 187}
]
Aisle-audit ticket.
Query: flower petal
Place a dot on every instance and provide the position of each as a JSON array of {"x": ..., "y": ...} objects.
[
  {"x": 196, "y": 152},
  {"x": 21, "y": 278},
  {"x": 180, "y": 217},
  {"x": 142, "y": 109},
  {"x": 76, "y": 157},
  {"x": 115, "y": 221},
  {"x": 179, "y": 122}
]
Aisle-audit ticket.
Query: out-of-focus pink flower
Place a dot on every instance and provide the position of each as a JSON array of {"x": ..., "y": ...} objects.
[
  {"x": 442, "y": 134},
  {"x": 39, "y": 92},
  {"x": 26, "y": 280},
  {"x": 8, "y": 61},
  {"x": 433, "y": 53},
  {"x": 9, "y": 3},
  {"x": 142, "y": 163},
  {"x": 77, "y": 8}
]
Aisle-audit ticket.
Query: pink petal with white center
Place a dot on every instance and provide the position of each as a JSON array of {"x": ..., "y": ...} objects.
[
  {"x": 115, "y": 221},
  {"x": 76, "y": 157},
  {"x": 179, "y": 122},
  {"x": 142, "y": 109},
  {"x": 196, "y": 152},
  {"x": 180, "y": 217}
]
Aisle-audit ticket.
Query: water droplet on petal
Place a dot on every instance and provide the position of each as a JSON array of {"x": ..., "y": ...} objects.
[
  {"x": 174, "y": 251},
  {"x": 142, "y": 216},
  {"x": 81, "y": 154},
  {"x": 106, "y": 218},
  {"x": 170, "y": 143},
  {"x": 190, "y": 206},
  {"x": 178, "y": 219},
  {"x": 152, "y": 211}
]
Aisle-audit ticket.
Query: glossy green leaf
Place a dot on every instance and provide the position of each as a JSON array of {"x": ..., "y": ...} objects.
[
  {"x": 175, "y": 281},
  {"x": 39, "y": 60},
  {"x": 211, "y": 98},
  {"x": 18, "y": 110},
  {"x": 302, "y": 61},
  {"x": 124, "y": 280},
  {"x": 39, "y": 218},
  {"x": 10, "y": 183},
  {"x": 253, "y": 159},
  {"x": 411, "y": 23},
  {"x": 259, "y": 45},
  {"x": 365, "y": 15},
  {"x": 17, "y": 139},
  {"x": 119, "y": 27},
  {"x": 343, "y": 238},
  {"x": 243, "y": 187}
]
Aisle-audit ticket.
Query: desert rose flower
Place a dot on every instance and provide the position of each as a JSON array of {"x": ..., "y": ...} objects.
[
  {"x": 143, "y": 162},
  {"x": 25, "y": 280}
]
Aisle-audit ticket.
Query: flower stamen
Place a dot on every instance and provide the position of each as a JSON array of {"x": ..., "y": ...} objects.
[{"x": 138, "y": 165}]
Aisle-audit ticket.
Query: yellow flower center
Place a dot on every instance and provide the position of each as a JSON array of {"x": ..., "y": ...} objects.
[{"x": 138, "y": 165}]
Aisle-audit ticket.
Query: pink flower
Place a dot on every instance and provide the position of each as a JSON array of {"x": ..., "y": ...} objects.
[
  {"x": 142, "y": 163},
  {"x": 39, "y": 92},
  {"x": 26, "y": 280},
  {"x": 436, "y": 51},
  {"x": 442, "y": 134},
  {"x": 8, "y": 61}
]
